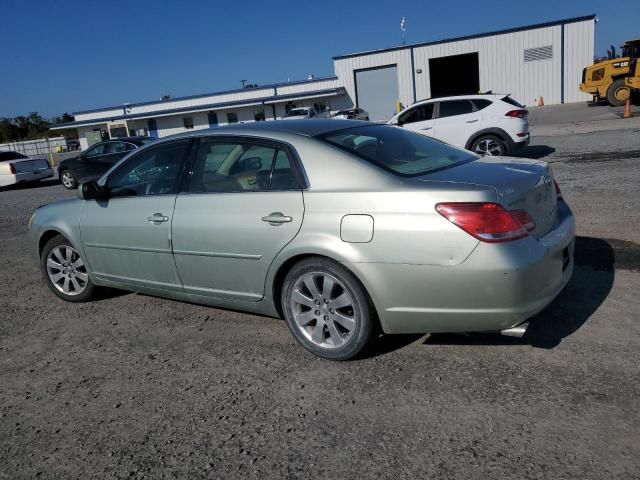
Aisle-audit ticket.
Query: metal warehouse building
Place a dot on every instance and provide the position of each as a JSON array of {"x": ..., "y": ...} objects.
[{"x": 542, "y": 60}]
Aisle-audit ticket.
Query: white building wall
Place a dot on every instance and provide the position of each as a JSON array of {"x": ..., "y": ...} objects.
[
  {"x": 402, "y": 58},
  {"x": 115, "y": 112},
  {"x": 501, "y": 64},
  {"x": 579, "y": 47},
  {"x": 308, "y": 87}
]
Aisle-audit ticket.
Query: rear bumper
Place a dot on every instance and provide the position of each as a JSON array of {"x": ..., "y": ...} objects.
[
  {"x": 498, "y": 287},
  {"x": 513, "y": 145},
  {"x": 12, "y": 179}
]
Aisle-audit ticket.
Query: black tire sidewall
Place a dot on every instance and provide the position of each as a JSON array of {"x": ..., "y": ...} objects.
[
  {"x": 50, "y": 245},
  {"x": 611, "y": 91},
  {"x": 498, "y": 140},
  {"x": 365, "y": 327}
]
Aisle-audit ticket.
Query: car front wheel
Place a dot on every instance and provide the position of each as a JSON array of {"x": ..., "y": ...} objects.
[
  {"x": 64, "y": 271},
  {"x": 68, "y": 180},
  {"x": 327, "y": 310},
  {"x": 489, "y": 146}
]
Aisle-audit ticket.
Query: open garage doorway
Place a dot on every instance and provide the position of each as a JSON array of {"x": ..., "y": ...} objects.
[{"x": 454, "y": 75}]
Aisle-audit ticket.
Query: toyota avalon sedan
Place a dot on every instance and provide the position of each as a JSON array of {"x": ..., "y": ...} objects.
[{"x": 338, "y": 226}]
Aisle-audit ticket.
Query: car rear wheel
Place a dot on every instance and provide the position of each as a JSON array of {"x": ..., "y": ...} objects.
[
  {"x": 618, "y": 93},
  {"x": 489, "y": 146},
  {"x": 327, "y": 310},
  {"x": 68, "y": 180},
  {"x": 64, "y": 271}
]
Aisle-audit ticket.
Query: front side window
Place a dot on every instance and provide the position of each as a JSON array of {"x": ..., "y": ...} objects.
[
  {"x": 238, "y": 167},
  {"x": 154, "y": 171},
  {"x": 419, "y": 113},
  {"x": 99, "y": 149},
  {"x": 396, "y": 150},
  {"x": 455, "y": 107}
]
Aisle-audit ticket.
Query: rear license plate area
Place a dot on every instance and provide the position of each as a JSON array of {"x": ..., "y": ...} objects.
[{"x": 565, "y": 258}]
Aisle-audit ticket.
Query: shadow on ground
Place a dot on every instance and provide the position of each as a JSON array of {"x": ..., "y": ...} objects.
[
  {"x": 50, "y": 182},
  {"x": 593, "y": 275},
  {"x": 534, "y": 152}
]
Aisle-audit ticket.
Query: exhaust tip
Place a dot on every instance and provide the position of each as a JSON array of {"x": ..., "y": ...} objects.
[{"x": 517, "y": 331}]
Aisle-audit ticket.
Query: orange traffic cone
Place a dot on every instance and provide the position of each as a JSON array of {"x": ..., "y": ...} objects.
[
  {"x": 541, "y": 101},
  {"x": 627, "y": 109}
]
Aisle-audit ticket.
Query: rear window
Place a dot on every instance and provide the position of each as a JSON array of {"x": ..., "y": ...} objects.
[
  {"x": 455, "y": 107},
  {"x": 481, "y": 103},
  {"x": 398, "y": 151},
  {"x": 4, "y": 156},
  {"x": 511, "y": 101}
]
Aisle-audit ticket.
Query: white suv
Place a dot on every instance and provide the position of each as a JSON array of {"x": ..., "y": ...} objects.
[{"x": 487, "y": 124}]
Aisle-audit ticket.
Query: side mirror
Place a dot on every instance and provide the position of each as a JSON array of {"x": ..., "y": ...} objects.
[{"x": 92, "y": 191}]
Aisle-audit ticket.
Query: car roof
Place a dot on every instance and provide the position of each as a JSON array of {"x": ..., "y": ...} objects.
[
  {"x": 487, "y": 96},
  {"x": 303, "y": 127},
  {"x": 139, "y": 140}
]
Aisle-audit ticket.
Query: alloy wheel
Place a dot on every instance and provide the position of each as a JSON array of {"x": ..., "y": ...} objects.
[
  {"x": 489, "y": 148},
  {"x": 66, "y": 270},
  {"x": 324, "y": 310},
  {"x": 67, "y": 179}
]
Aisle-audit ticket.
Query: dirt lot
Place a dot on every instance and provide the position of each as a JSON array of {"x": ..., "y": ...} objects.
[{"x": 139, "y": 387}]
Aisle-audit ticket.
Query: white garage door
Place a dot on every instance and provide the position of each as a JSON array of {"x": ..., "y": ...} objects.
[{"x": 377, "y": 91}]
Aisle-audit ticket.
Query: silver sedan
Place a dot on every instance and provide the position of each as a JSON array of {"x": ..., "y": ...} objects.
[{"x": 343, "y": 228}]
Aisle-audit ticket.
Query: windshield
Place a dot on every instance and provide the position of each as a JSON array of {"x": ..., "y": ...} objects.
[
  {"x": 4, "y": 156},
  {"x": 396, "y": 150},
  {"x": 298, "y": 112}
]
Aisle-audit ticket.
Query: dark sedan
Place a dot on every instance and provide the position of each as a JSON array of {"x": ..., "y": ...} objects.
[{"x": 96, "y": 160}]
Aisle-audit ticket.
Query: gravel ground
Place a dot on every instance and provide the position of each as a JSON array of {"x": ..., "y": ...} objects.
[{"x": 139, "y": 387}]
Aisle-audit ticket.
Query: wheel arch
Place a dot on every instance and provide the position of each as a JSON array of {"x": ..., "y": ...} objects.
[
  {"x": 283, "y": 268},
  {"x": 498, "y": 132}
]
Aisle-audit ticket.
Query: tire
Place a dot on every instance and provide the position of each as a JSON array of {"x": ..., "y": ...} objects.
[
  {"x": 618, "y": 93},
  {"x": 74, "y": 284},
  {"x": 489, "y": 145},
  {"x": 68, "y": 180},
  {"x": 335, "y": 324}
]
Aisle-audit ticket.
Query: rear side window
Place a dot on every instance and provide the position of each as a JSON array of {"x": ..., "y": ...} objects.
[
  {"x": 481, "y": 103},
  {"x": 397, "y": 150},
  {"x": 417, "y": 114},
  {"x": 227, "y": 166},
  {"x": 511, "y": 101},
  {"x": 455, "y": 107}
]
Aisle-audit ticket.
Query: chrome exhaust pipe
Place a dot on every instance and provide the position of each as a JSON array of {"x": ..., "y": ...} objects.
[{"x": 517, "y": 331}]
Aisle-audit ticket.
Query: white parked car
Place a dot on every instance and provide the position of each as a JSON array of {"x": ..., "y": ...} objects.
[
  {"x": 487, "y": 124},
  {"x": 352, "y": 114},
  {"x": 17, "y": 168},
  {"x": 304, "y": 112}
]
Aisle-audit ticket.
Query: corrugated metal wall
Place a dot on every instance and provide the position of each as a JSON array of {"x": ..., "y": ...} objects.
[
  {"x": 402, "y": 58},
  {"x": 579, "y": 52},
  {"x": 502, "y": 68}
]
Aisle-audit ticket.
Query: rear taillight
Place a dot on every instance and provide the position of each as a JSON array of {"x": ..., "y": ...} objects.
[
  {"x": 12, "y": 169},
  {"x": 558, "y": 192},
  {"x": 520, "y": 113},
  {"x": 525, "y": 219},
  {"x": 488, "y": 222}
]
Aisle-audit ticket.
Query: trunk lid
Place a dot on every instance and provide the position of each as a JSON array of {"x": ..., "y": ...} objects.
[
  {"x": 30, "y": 165},
  {"x": 519, "y": 184}
]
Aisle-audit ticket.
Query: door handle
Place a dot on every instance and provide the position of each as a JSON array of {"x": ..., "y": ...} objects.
[
  {"x": 276, "y": 218},
  {"x": 472, "y": 121},
  {"x": 157, "y": 218},
  {"x": 426, "y": 128}
]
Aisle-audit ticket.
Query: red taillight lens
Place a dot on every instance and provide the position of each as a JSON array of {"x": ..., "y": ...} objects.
[
  {"x": 525, "y": 219},
  {"x": 558, "y": 192},
  {"x": 520, "y": 113},
  {"x": 12, "y": 169},
  {"x": 488, "y": 222}
]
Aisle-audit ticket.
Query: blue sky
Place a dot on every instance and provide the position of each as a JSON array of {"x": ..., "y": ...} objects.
[{"x": 75, "y": 55}]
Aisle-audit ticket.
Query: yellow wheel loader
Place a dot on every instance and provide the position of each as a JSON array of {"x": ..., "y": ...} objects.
[{"x": 613, "y": 79}]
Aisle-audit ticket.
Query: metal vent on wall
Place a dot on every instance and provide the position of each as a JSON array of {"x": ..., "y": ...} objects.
[{"x": 538, "y": 54}]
